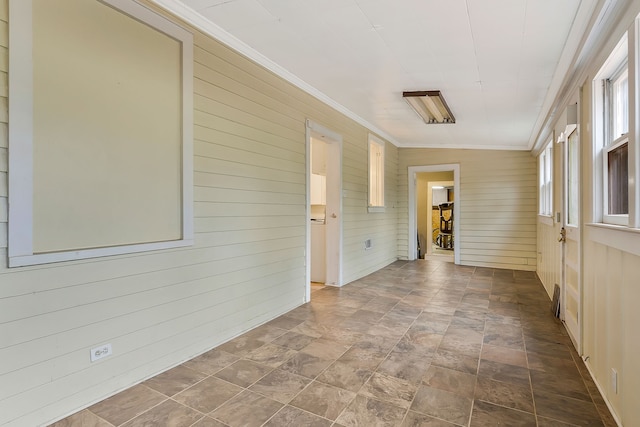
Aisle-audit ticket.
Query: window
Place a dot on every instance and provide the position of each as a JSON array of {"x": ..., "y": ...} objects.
[
  {"x": 612, "y": 140},
  {"x": 545, "y": 163},
  {"x": 101, "y": 155},
  {"x": 376, "y": 174},
  {"x": 615, "y": 158}
]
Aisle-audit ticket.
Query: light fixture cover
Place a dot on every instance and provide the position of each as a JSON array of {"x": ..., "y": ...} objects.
[{"x": 430, "y": 106}]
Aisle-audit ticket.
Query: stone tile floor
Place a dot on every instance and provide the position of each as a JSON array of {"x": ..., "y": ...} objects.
[{"x": 423, "y": 343}]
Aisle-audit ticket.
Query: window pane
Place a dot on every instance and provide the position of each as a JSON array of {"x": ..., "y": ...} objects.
[
  {"x": 542, "y": 208},
  {"x": 620, "y": 94},
  {"x": 618, "y": 178},
  {"x": 545, "y": 181},
  {"x": 572, "y": 179},
  {"x": 376, "y": 174},
  {"x": 548, "y": 181}
]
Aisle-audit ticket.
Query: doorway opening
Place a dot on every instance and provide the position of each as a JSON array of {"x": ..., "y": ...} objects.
[
  {"x": 434, "y": 212},
  {"x": 435, "y": 224},
  {"x": 324, "y": 208}
]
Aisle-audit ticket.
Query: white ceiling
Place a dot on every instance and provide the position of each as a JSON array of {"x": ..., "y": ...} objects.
[{"x": 498, "y": 63}]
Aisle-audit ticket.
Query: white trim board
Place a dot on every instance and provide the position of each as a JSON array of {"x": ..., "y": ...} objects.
[{"x": 622, "y": 238}]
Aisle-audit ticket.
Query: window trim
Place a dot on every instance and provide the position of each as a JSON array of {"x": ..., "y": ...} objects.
[
  {"x": 20, "y": 242},
  {"x": 381, "y": 145},
  {"x": 621, "y": 58}
]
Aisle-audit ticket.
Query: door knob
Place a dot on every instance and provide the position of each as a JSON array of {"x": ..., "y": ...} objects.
[
  {"x": 334, "y": 215},
  {"x": 563, "y": 235}
]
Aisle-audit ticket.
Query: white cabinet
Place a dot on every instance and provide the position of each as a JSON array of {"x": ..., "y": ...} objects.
[
  {"x": 318, "y": 157},
  {"x": 318, "y": 189}
]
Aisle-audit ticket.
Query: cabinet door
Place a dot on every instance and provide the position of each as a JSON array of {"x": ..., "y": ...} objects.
[{"x": 318, "y": 189}]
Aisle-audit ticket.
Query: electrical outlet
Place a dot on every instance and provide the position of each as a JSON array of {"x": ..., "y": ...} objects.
[
  {"x": 614, "y": 381},
  {"x": 101, "y": 352}
]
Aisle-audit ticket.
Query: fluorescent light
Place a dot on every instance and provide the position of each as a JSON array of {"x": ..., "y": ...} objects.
[
  {"x": 430, "y": 106},
  {"x": 437, "y": 187}
]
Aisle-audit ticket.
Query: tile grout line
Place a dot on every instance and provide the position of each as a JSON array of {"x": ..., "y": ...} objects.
[
  {"x": 386, "y": 289},
  {"x": 526, "y": 355}
]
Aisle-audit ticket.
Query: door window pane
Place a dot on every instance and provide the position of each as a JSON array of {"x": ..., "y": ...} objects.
[
  {"x": 572, "y": 179},
  {"x": 546, "y": 181}
]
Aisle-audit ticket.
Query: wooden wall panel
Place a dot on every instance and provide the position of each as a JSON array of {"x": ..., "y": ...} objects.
[
  {"x": 160, "y": 308},
  {"x": 611, "y": 316},
  {"x": 498, "y": 204}
]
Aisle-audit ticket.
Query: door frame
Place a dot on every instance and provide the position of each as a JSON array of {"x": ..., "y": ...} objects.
[
  {"x": 572, "y": 235},
  {"x": 413, "y": 223},
  {"x": 333, "y": 229}
]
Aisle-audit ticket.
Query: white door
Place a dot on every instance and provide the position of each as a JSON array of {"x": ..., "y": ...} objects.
[
  {"x": 571, "y": 301},
  {"x": 333, "y": 219}
]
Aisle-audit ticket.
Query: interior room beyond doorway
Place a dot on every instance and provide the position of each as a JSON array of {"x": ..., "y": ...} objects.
[{"x": 434, "y": 203}]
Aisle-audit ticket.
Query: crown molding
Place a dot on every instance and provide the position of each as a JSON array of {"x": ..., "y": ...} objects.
[{"x": 192, "y": 17}]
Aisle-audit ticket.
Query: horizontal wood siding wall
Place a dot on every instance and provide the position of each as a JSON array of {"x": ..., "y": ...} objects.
[
  {"x": 4, "y": 118},
  {"x": 498, "y": 204},
  {"x": 158, "y": 309},
  {"x": 360, "y": 225}
]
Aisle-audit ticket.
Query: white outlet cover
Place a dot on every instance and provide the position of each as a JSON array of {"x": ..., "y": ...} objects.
[{"x": 100, "y": 352}]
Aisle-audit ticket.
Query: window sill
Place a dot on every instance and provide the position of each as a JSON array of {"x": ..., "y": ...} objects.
[
  {"x": 616, "y": 236},
  {"x": 373, "y": 209},
  {"x": 75, "y": 255},
  {"x": 616, "y": 220}
]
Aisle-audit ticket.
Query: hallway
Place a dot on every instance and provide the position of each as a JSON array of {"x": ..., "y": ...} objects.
[{"x": 423, "y": 343}]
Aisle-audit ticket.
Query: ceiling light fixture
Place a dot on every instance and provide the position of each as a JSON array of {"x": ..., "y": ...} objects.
[{"x": 430, "y": 106}]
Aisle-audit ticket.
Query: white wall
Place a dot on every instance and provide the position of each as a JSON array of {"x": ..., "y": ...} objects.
[
  {"x": 160, "y": 308},
  {"x": 497, "y": 200}
]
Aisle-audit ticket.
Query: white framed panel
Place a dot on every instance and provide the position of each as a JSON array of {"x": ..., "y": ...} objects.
[{"x": 23, "y": 128}]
